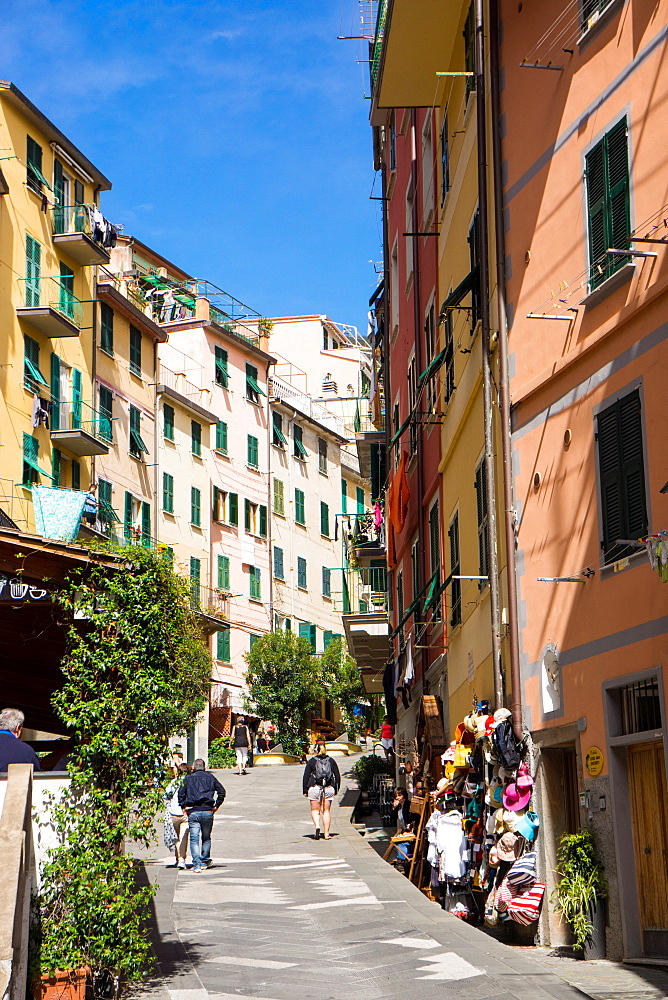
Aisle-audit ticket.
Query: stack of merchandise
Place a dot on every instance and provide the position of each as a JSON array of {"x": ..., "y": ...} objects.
[{"x": 482, "y": 823}]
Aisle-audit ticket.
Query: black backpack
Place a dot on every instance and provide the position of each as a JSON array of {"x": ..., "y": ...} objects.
[
  {"x": 322, "y": 771},
  {"x": 505, "y": 745}
]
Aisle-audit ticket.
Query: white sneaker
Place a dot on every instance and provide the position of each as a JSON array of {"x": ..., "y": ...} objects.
[{"x": 182, "y": 863}]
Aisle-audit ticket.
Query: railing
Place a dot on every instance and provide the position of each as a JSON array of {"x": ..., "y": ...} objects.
[
  {"x": 75, "y": 415},
  {"x": 51, "y": 292},
  {"x": 363, "y": 424},
  {"x": 177, "y": 382},
  {"x": 211, "y": 600},
  {"x": 278, "y": 389},
  {"x": 377, "y": 48},
  {"x": 16, "y": 847},
  {"x": 374, "y": 578}
]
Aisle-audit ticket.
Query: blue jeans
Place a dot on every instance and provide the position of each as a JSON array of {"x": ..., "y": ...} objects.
[{"x": 200, "y": 822}]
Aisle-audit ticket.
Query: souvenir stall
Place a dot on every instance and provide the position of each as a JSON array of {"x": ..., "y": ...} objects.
[{"x": 474, "y": 847}]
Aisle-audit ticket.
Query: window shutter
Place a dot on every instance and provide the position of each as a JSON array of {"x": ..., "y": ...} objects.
[
  {"x": 305, "y": 630},
  {"x": 76, "y": 398},
  {"x": 33, "y": 271},
  {"x": 360, "y": 500},
  {"x": 223, "y": 645},
  {"x": 167, "y": 493},
  {"x": 168, "y": 417},
  {"x": 326, "y": 581},
  {"x": 247, "y": 515},
  {"x": 481, "y": 501},
  {"x": 622, "y": 474},
  {"x": 278, "y": 562},
  {"x": 263, "y": 521},
  {"x": 105, "y": 416},
  {"x": 327, "y": 638},
  {"x": 301, "y": 572},
  {"x": 127, "y": 520},
  {"x": 324, "y": 519},
  {"x": 106, "y": 328},
  {"x": 233, "y": 508},
  {"x": 135, "y": 350},
  {"x": 434, "y": 539},
  {"x": 146, "y": 521},
  {"x": 195, "y": 506},
  {"x": 76, "y": 477},
  {"x": 279, "y": 497},
  {"x": 196, "y": 437},
  {"x": 221, "y": 436},
  {"x": 79, "y": 194},
  {"x": 618, "y": 189},
  {"x": 221, "y": 369},
  {"x": 595, "y": 175},
  {"x": 55, "y": 467},
  {"x": 58, "y": 190},
  {"x": 216, "y": 504},
  {"x": 312, "y": 636},
  {"x": 344, "y": 496},
  {"x": 55, "y": 392},
  {"x": 224, "y": 572}
]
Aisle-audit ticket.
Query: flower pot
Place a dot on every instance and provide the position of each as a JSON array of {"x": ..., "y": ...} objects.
[
  {"x": 595, "y": 944},
  {"x": 64, "y": 984}
]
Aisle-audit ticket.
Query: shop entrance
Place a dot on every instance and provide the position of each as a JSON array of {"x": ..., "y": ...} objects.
[{"x": 649, "y": 814}]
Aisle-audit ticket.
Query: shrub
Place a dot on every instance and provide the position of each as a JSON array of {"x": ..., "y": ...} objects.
[
  {"x": 221, "y": 754},
  {"x": 581, "y": 882},
  {"x": 365, "y": 768}
]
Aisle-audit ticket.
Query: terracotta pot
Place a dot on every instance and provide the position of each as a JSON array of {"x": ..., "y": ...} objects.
[{"x": 64, "y": 984}]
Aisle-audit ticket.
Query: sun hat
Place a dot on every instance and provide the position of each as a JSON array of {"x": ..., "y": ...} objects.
[
  {"x": 501, "y": 714},
  {"x": 517, "y": 794},
  {"x": 443, "y": 784},
  {"x": 528, "y": 825},
  {"x": 469, "y": 723},
  {"x": 505, "y": 847},
  {"x": 493, "y": 857}
]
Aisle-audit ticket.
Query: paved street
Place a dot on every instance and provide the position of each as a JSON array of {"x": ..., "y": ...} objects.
[{"x": 282, "y": 916}]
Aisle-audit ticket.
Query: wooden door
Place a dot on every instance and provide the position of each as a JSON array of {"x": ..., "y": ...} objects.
[{"x": 649, "y": 813}]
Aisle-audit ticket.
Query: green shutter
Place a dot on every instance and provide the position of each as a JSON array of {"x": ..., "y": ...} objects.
[
  {"x": 145, "y": 522},
  {"x": 324, "y": 519},
  {"x": 327, "y": 638},
  {"x": 127, "y": 519},
  {"x": 221, "y": 437},
  {"x": 55, "y": 392},
  {"x": 360, "y": 500},
  {"x": 621, "y": 474},
  {"x": 608, "y": 203},
  {"x": 221, "y": 370},
  {"x": 76, "y": 398},
  {"x": 279, "y": 497},
  {"x": 135, "y": 351},
  {"x": 344, "y": 496},
  {"x": 233, "y": 508},
  {"x": 312, "y": 636},
  {"x": 253, "y": 452},
  {"x": 167, "y": 493},
  {"x": 263, "y": 521},
  {"x": 76, "y": 475},
  {"x": 300, "y": 514},
  {"x": 305, "y": 630},
  {"x": 301, "y": 573},
  {"x": 224, "y": 572},
  {"x": 137, "y": 445},
  {"x": 247, "y": 515},
  {"x": 223, "y": 645},
  {"x": 55, "y": 467},
  {"x": 278, "y": 563},
  {"x": 168, "y": 418},
  {"x": 196, "y": 437},
  {"x": 326, "y": 581},
  {"x": 106, "y": 328},
  {"x": 255, "y": 583},
  {"x": 195, "y": 506},
  {"x": 105, "y": 404},
  {"x": 33, "y": 271}
]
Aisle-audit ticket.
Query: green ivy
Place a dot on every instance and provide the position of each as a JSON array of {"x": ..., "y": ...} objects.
[
  {"x": 581, "y": 883},
  {"x": 136, "y": 671}
]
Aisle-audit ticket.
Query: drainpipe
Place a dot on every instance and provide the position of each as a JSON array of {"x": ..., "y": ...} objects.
[
  {"x": 488, "y": 411},
  {"x": 269, "y": 508},
  {"x": 387, "y": 333},
  {"x": 93, "y": 366},
  {"x": 156, "y": 442},
  {"x": 504, "y": 389}
]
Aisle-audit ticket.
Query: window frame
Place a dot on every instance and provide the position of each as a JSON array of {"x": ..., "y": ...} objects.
[
  {"x": 136, "y": 445},
  {"x": 167, "y": 493},
  {"x": 168, "y": 425},
  {"x": 196, "y": 438},
  {"x": 221, "y": 374},
  {"x": 195, "y": 507},
  {"x": 300, "y": 505},
  {"x": 135, "y": 357},
  {"x": 302, "y": 573},
  {"x": 107, "y": 329},
  {"x": 299, "y": 450}
]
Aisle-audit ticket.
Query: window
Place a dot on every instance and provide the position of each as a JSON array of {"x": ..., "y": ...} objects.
[
  {"x": 137, "y": 445},
  {"x": 344, "y": 496},
  {"x": 195, "y": 507},
  {"x": 394, "y": 286},
  {"x": 415, "y": 570},
  {"x": 76, "y": 478},
  {"x": 481, "y": 501},
  {"x": 196, "y": 438},
  {"x": 223, "y": 572},
  {"x": 278, "y": 438},
  {"x": 300, "y": 509},
  {"x": 474, "y": 257},
  {"x": 253, "y": 452},
  {"x": 622, "y": 475},
  {"x": 135, "y": 351},
  {"x": 253, "y": 390},
  {"x": 400, "y": 601},
  {"x": 279, "y": 497},
  {"x": 427, "y": 171},
  {"x": 301, "y": 573},
  {"x": 359, "y": 493},
  {"x": 608, "y": 206},
  {"x": 309, "y": 632},
  {"x": 469, "y": 50},
  {"x": 412, "y": 405},
  {"x": 325, "y": 339},
  {"x": 434, "y": 560},
  {"x": 106, "y": 513},
  {"x": 456, "y": 585},
  {"x": 225, "y": 507},
  {"x": 430, "y": 354},
  {"x": 322, "y": 456},
  {"x": 278, "y": 563},
  {"x": 33, "y": 271},
  {"x": 590, "y": 12},
  {"x": 31, "y": 470},
  {"x": 324, "y": 519},
  {"x": 56, "y": 467},
  {"x": 32, "y": 376},
  {"x": 35, "y": 179},
  {"x": 106, "y": 328},
  {"x": 393, "y": 142},
  {"x": 252, "y": 640},
  {"x": 255, "y": 585},
  {"x": 449, "y": 357},
  {"x": 221, "y": 437},
  {"x": 640, "y": 707},
  {"x": 255, "y": 519},
  {"x": 168, "y": 421},
  {"x": 66, "y": 291},
  {"x": 195, "y": 576},
  {"x": 222, "y": 375},
  {"x": 326, "y": 581},
  {"x": 409, "y": 228},
  {"x": 55, "y": 391},
  {"x": 445, "y": 158},
  {"x": 223, "y": 645},
  {"x": 167, "y": 493},
  {"x": 299, "y": 450},
  {"x": 105, "y": 399}
]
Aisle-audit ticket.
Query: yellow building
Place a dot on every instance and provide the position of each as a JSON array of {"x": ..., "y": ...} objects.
[{"x": 52, "y": 237}]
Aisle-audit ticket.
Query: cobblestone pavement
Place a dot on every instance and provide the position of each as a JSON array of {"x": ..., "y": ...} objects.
[
  {"x": 282, "y": 916},
  {"x": 604, "y": 980}
]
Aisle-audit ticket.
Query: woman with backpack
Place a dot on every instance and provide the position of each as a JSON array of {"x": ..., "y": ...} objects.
[{"x": 320, "y": 784}]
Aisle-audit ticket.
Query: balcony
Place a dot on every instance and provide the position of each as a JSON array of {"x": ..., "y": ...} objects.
[
  {"x": 284, "y": 392},
  {"x": 369, "y": 438},
  {"x": 50, "y": 307},
  {"x": 213, "y": 606},
  {"x": 80, "y": 429},
  {"x": 368, "y": 544},
  {"x": 75, "y": 235},
  {"x": 368, "y": 639},
  {"x": 177, "y": 387}
]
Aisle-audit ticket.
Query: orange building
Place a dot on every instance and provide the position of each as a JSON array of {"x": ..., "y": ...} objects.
[{"x": 587, "y": 288}]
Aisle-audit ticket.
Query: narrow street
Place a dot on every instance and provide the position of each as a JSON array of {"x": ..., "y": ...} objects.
[{"x": 281, "y": 916}]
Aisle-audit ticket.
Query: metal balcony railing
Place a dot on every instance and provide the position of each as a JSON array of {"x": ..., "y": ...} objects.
[
  {"x": 377, "y": 47},
  {"x": 52, "y": 293},
  {"x": 177, "y": 382},
  {"x": 71, "y": 219},
  {"x": 278, "y": 389},
  {"x": 76, "y": 415}
]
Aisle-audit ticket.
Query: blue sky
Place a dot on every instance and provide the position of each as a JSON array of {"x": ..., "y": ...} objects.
[{"x": 235, "y": 135}]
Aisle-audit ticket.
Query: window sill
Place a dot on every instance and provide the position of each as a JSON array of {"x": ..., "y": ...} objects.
[
  {"x": 325, "y": 474},
  {"x": 279, "y": 579},
  {"x": 611, "y": 569},
  {"x": 137, "y": 458},
  {"x": 611, "y": 284},
  {"x": 255, "y": 600},
  {"x": 279, "y": 513},
  {"x": 300, "y": 524},
  {"x": 327, "y": 538},
  {"x": 326, "y": 597},
  {"x": 220, "y": 385},
  {"x": 299, "y": 458},
  {"x": 255, "y": 402},
  {"x": 195, "y": 455},
  {"x": 598, "y": 20},
  {"x": 109, "y": 353},
  {"x": 221, "y": 453},
  {"x": 170, "y": 514},
  {"x": 137, "y": 375},
  {"x": 169, "y": 441},
  {"x": 303, "y": 589},
  {"x": 197, "y": 527},
  {"x": 253, "y": 468}
]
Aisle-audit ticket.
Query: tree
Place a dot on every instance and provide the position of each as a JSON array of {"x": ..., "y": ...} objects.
[
  {"x": 284, "y": 685},
  {"x": 136, "y": 671},
  {"x": 342, "y": 682}
]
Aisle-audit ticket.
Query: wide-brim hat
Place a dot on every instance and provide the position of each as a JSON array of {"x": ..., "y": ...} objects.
[
  {"x": 514, "y": 798},
  {"x": 501, "y": 714},
  {"x": 505, "y": 847},
  {"x": 443, "y": 784},
  {"x": 470, "y": 723},
  {"x": 527, "y": 826}
]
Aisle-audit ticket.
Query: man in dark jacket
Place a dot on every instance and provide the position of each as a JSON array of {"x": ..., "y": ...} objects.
[
  {"x": 12, "y": 750},
  {"x": 200, "y": 796}
]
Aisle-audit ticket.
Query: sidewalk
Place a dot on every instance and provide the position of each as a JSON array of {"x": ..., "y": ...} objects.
[{"x": 282, "y": 916}]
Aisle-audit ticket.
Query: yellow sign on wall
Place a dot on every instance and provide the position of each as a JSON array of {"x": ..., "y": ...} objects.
[{"x": 594, "y": 761}]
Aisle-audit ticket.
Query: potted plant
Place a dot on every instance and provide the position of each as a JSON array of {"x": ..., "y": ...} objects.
[{"x": 580, "y": 892}]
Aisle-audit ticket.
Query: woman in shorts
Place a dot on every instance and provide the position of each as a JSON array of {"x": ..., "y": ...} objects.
[
  {"x": 387, "y": 739},
  {"x": 320, "y": 784}
]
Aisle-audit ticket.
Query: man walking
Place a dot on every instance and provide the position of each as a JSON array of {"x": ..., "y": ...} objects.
[
  {"x": 200, "y": 796},
  {"x": 12, "y": 750}
]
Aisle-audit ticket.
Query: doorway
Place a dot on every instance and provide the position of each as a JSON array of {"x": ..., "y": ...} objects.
[{"x": 649, "y": 816}]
